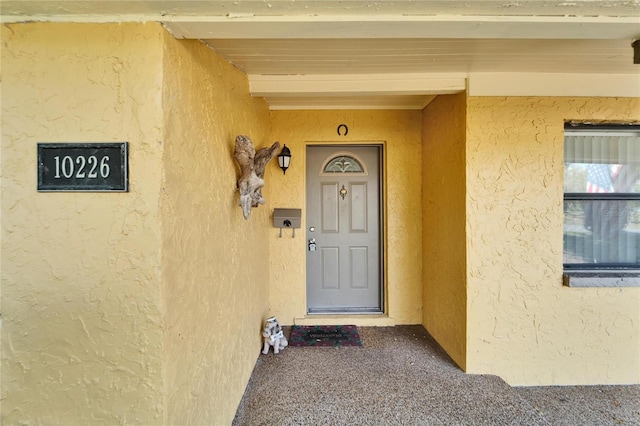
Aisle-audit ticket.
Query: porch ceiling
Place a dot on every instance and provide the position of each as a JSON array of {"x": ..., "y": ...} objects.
[{"x": 383, "y": 54}]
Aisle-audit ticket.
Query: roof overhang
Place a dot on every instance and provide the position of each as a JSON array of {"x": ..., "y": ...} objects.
[{"x": 319, "y": 54}]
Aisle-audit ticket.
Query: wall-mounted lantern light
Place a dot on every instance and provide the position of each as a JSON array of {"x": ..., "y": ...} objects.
[
  {"x": 284, "y": 159},
  {"x": 636, "y": 51}
]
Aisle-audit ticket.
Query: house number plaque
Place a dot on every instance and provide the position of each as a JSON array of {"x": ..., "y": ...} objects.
[{"x": 87, "y": 167}]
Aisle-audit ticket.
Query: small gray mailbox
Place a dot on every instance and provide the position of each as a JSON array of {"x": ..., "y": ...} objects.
[{"x": 287, "y": 218}]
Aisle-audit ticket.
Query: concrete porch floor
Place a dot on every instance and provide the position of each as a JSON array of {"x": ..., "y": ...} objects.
[{"x": 401, "y": 376}]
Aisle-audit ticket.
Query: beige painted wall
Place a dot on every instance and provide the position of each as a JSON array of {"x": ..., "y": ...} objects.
[
  {"x": 215, "y": 264},
  {"x": 443, "y": 224},
  {"x": 522, "y": 324},
  {"x": 82, "y": 324},
  {"x": 400, "y": 133}
]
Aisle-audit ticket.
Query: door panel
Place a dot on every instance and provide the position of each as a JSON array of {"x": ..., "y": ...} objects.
[
  {"x": 343, "y": 209},
  {"x": 330, "y": 272},
  {"x": 359, "y": 207},
  {"x": 359, "y": 267},
  {"x": 329, "y": 207}
]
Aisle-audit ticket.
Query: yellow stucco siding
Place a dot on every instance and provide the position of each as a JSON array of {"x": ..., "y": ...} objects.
[
  {"x": 82, "y": 325},
  {"x": 523, "y": 325},
  {"x": 399, "y": 131},
  {"x": 142, "y": 307},
  {"x": 145, "y": 307},
  {"x": 443, "y": 224},
  {"x": 215, "y": 263}
]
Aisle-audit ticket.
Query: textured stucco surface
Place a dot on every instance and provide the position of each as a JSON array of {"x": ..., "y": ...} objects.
[
  {"x": 443, "y": 223},
  {"x": 215, "y": 264},
  {"x": 145, "y": 307},
  {"x": 82, "y": 325},
  {"x": 523, "y": 325},
  {"x": 115, "y": 306},
  {"x": 399, "y": 132}
]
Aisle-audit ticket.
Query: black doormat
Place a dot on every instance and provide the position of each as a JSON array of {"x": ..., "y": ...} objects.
[{"x": 325, "y": 335}]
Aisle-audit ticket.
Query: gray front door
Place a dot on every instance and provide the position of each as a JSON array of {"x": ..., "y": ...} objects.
[{"x": 343, "y": 229}]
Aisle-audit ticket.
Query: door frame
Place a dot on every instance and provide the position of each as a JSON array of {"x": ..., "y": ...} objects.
[{"x": 381, "y": 146}]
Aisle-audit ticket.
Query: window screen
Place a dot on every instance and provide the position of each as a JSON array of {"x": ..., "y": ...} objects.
[{"x": 601, "y": 197}]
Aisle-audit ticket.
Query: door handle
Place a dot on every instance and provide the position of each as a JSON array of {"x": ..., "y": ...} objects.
[{"x": 312, "y": 244}]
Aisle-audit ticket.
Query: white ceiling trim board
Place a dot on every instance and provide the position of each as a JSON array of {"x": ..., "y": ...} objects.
[
  {"x": 325, "y": 7},
  {"x": 402, "y": 26},
  {"x": 549, "y": 84},
  {"x": 357, "y": 103},
  {"x": 356, "y": 84}
]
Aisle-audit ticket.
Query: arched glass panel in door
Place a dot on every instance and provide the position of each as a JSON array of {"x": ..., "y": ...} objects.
[{"x": 343, "y": 162}]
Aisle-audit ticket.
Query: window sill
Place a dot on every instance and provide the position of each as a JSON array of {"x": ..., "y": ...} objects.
[{"x": 602, "y": 278}]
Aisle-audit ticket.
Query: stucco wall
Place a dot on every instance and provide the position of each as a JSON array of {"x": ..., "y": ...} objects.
[
  {"x": 81, "y": 333},
  {"x": 522, "y": 323},
  {"x": 215, "y": 264},
  {"x": 443, "y": 223},
  {"x": 92, "y": 282},
  {"x": 399, "y": 131}
]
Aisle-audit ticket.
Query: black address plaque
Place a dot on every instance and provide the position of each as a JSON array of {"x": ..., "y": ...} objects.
[{"x": 88, "y": 167}]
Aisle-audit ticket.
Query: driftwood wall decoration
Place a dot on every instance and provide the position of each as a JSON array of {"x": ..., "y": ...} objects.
[{"x": 252, "y": 165}]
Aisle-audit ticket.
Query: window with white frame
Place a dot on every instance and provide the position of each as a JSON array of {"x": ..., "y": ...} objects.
[{"x": 601, "y": 197}]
